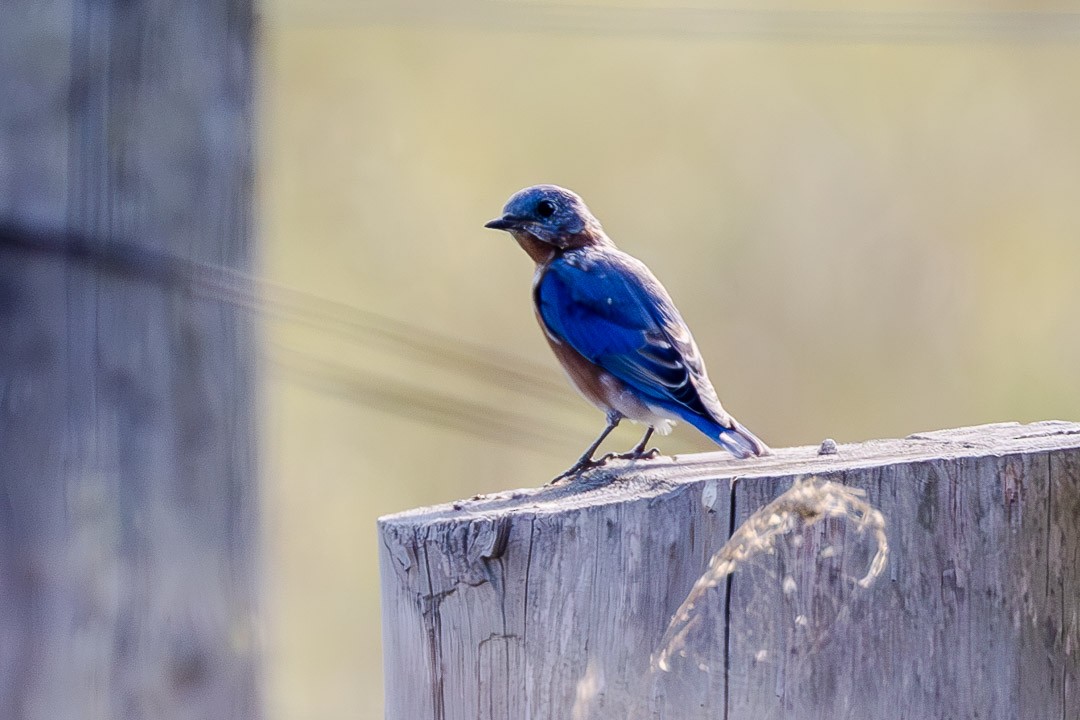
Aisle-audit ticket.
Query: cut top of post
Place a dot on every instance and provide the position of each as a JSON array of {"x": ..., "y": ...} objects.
[{"x": 622, "y": 480}]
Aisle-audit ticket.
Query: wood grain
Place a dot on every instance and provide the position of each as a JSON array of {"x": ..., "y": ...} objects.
[
  {"x": 128, "y": 503},
  {"x": 549, "y": 603}
]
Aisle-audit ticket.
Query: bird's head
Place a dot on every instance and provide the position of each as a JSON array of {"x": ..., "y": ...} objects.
[{"x": 551, "y": 215}]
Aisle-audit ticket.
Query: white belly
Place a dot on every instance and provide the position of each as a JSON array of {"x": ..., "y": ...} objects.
[{"x": 620, "y": 399}]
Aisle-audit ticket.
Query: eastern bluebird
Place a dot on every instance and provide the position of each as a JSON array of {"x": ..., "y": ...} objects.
[{"x": 613, "y": 327}]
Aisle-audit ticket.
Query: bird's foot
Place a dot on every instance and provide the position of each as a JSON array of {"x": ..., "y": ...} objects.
[
  {"x": 635, "y": 454},
  {"x": 579, "y": 467}
]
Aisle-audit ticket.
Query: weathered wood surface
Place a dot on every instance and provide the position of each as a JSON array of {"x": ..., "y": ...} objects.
[
  {"x": 548, "y": 603},
  {"x": 128, "y": 505}
]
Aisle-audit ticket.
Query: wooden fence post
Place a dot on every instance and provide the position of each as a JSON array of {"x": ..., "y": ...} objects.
[
  {"x": 552, "y": 603},
  {"x": 128, "y": 503}
]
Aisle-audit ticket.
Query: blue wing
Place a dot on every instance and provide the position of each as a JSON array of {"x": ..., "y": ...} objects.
[{"x": 613, "y": 311}]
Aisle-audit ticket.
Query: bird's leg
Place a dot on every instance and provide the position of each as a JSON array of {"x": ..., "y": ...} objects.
[
  {"x": 639, "y": 452},
  {"x": 639, "y": 449},
  {"x": 586, "y": 460}
]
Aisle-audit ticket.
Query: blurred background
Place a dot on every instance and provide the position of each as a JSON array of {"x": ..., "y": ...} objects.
[{"x": 869, "y": 214}]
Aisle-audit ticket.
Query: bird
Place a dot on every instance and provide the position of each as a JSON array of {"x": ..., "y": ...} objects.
[{"x": 614, "y": 328}]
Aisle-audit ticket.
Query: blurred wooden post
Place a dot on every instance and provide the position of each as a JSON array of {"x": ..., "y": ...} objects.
[
  {"x": 547, "y": 604},
  {"x": 128, "y": 503}
]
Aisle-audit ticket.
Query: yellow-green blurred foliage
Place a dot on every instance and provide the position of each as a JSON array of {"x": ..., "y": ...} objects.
[{"x": 871, "y": 221}]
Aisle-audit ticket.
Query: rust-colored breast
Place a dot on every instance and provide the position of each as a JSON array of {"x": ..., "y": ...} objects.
[
  {"x": 540, "y": 252},
  {"x": 584, "y": 375}
]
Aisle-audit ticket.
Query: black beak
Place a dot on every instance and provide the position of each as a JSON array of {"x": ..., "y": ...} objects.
[{"x": 506, "y": 222}]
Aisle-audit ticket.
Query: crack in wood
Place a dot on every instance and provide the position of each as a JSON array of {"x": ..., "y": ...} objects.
[{"x": 727, "y": 604}]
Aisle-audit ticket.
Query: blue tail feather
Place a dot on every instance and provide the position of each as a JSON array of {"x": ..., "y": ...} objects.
[{"x": 737, "y": 440}]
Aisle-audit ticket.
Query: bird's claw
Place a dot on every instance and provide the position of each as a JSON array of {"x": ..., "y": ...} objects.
[
  {"x": 635, "y": 454},
  {"x": 588, "y": 464},
  {"x": 579, "y": 467}
]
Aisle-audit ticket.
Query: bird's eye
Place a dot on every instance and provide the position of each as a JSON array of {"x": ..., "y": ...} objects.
[{"x": 545, "y": 208}]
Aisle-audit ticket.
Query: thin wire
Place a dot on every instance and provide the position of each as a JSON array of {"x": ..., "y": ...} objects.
[
  {"x": 248, "y": 292},
  {"x": 482, "y": 362},
  {"x": 418, "y": 403},
  {"x": 487, "y": 364}
]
